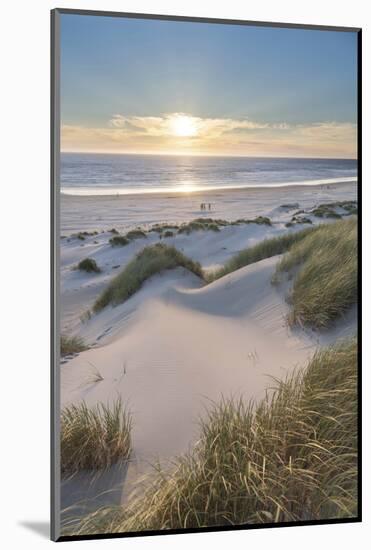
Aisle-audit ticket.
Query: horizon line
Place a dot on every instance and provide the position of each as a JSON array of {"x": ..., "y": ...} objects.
[{"x": 183, "y": 154}]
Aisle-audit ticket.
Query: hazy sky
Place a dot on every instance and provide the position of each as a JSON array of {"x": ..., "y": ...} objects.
[{"x": 172, "y": 87}]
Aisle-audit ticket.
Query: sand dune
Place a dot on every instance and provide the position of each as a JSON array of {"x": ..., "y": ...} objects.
[{"x": 177, "y": 344}]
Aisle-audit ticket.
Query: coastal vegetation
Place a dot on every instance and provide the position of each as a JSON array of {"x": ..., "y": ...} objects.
[
  {"x": 324, "y": 267},
  {"x": 89, "y": 265},
  {"x": 94, "y": 438},
  {"x": 148, "y": 262},
  {"x": 119, "y": 240},
  {"x": 291, "y": 457},
  {"x": 71, "y": 344},
  {"x": 335, "y": 209},
  {"x": 135, "y": 234},
  {"x": 264, "y": 249}
]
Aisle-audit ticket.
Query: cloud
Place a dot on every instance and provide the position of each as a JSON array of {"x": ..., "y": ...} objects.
[
  {"x": 155, "y": 134},
  {"x": 163, "y": 126}
]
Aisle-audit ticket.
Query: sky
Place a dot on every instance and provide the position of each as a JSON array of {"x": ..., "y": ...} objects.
[{"x": 171, "y": 87}]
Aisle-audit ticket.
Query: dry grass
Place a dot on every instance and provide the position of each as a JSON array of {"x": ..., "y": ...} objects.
[
  {"x": 262, "y": 250},
  {"x": 119, "y": 240},
  {"x": 135, "y": 234},
  {"x": 89, "y": 265},
  {"x": 94, "y": 438},
  {"x": 291, "y": 458},
  {"x": 325, "y": 268},
  {"x": 71, "y": 344},
  {"x": 150, "y": 261}
]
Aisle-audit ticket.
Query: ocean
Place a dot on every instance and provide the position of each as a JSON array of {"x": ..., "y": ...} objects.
[{"x": 107, "y": 174}]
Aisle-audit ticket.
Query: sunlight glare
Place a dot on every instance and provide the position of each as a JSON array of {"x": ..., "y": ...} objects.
[{"x": 183, "y": 126}]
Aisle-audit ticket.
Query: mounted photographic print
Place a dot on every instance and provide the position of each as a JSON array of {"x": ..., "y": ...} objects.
[{"x": 205, "y": 187}]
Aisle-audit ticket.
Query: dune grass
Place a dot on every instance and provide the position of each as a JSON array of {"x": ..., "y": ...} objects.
[
  {"x": 198, "y": 225},
  {"x": 135, "y": 234},
  {"x": 89, "y": 265},
  {"x": 94, "y": 438},
  {"x": 262, "y": 250},
  {"x": 119, "y": 240},
  {"x": 328, "y": 210},
  {"x": 71, "y": 344},
  {"x": 211, "y": 224},
  {"x": 259, "y": 220},
  {"x": 324, "y": 265},
  {"x": 150, "y": 261},
  {"x": 292, "y": 457},
  {"x": 83, "y": 234},
  {"x": 160, "y": 227}
]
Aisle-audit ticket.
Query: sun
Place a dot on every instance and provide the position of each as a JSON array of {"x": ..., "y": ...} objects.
[{"x": 183, "y": 126}]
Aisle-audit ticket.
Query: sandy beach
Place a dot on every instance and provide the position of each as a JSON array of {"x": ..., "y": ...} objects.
[
  {"x": 178, "y": 344},
  {"x": 98, "y": 212}
]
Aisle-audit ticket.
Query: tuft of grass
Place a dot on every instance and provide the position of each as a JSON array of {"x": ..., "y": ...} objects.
[
  {"x": 292, "y": 457},
  {"x": 262, "y": 250},
  {"x": 168, "y": 233},
  {"x": 94, "y": 438},
  {"x": 159, "y": 228},
  {"x": 327, "y": 210},
  {"x": 135, "y": 234},
  {"x": 119, "y": 240},
  {"x": 83, "y": 234},
  {"x": 71, "y": 344},
  {"x": 290, "y": 206},
  {"x": 208, "y": 221},
  {"x": 299, "y": 219},
  {"x": 213, "y": 227},
  {"x": 203, "y": 224},
  {"x": 89, "y": 265},
  {"x": 188, "y": 228},
  {"x": 113, "y": 231},
  {"x": 325, "y": 283},
  {"x": 151, "y": 260},
  {"x": 260, "y": 220}
]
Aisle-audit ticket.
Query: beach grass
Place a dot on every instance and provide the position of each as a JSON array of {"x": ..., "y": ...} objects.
[
  {"x": 94, "y": 438},
  {"x": 264, "y": 249},
  {"x": 148, "y": 262},
  {"x": 71, "y": 344},
  {"x": 160, "y": 227},
  {"x": 324, "y": 267},
  {"x": 119, "y": 240},
  {"x": 259, "y": 220},
  {"x": 292, "y": 457},
  {"x": 135, "y": 234},
  {"x": 328, "y": 210},
  {"x": 198, "y": 225},
  {"x": 211, "y": 224},
  {"x": 89, "y": 265},
  {"x": 83, "y": 234}
]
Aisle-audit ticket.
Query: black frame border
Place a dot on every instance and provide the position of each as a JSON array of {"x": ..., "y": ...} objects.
[{"x": 54, "y": 263}]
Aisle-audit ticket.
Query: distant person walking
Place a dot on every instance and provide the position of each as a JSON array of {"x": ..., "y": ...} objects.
[{"x": 209, "y": 206}]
